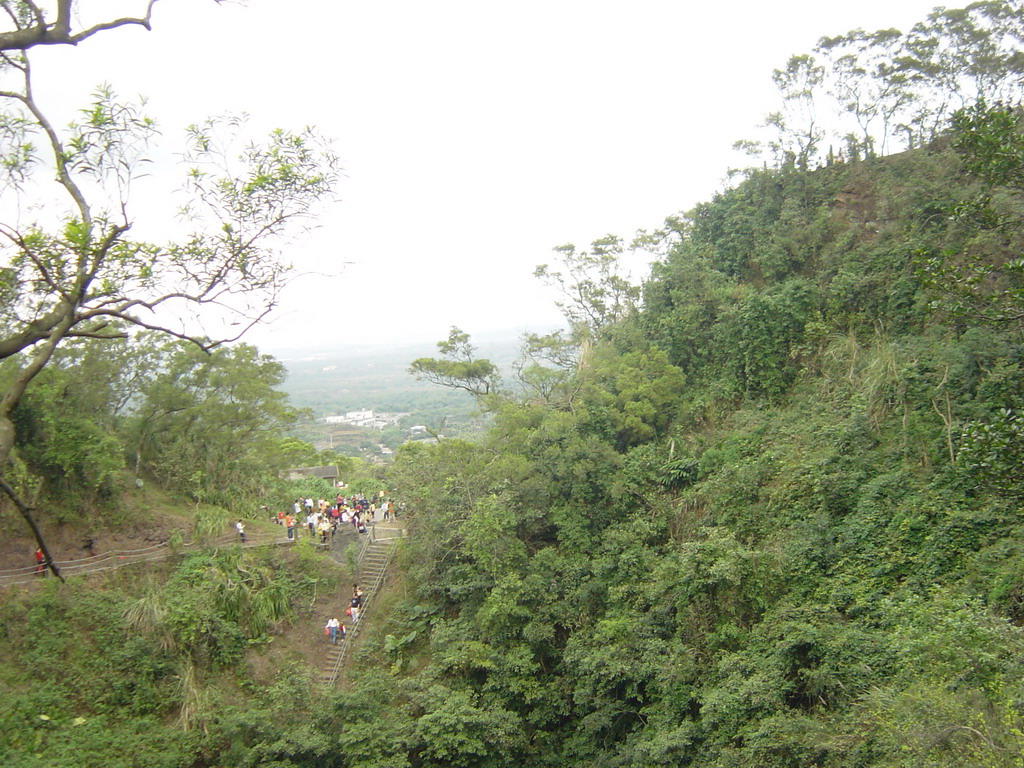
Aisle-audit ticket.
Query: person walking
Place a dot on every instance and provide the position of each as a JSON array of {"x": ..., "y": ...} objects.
[
  {"x": 356, "y": 602},
  {"x": 332, "y": 629},
  {"x": 241, "y": 530}
]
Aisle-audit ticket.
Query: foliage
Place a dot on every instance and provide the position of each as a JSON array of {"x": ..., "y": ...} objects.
[
  {"x": 993, "y": 451},
  {"x": 766, "y": 518},
  {"x": 457, "y": 367},
  {"x": 980, "y": 277},
  {"x": 866, "y": 91},
  {"x": 72, "y": 272},
  {"x": 65, "y": 439},
  {"x": 594, "y": 292},
  {"x": 208, "y": 425}
]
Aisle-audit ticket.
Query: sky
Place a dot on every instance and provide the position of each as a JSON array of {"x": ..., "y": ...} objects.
[{"x": 475, "y": 135}]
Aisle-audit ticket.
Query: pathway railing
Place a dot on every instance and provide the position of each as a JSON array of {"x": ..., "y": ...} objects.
[
  {"x": 117, "y": 558},
  {"x": 331, "y": 676}
]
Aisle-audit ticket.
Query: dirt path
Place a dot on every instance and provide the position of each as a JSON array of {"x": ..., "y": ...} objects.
[{"x": 118, "y": 557}]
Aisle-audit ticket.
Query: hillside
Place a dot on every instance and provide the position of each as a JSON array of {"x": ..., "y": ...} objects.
[
  {"x": 773, "y": 522},
  {"x": 762, "y": 511}
]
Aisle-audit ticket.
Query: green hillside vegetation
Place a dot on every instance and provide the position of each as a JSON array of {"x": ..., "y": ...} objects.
[
  {"x": 762, "y": 511},
  {"x": 775, "y": 521}
]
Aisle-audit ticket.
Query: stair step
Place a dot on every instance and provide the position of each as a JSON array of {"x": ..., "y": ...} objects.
[{"x": 371, "y": 569}]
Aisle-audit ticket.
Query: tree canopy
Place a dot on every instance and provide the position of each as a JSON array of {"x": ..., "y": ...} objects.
[{"x": 72, "y": 271}]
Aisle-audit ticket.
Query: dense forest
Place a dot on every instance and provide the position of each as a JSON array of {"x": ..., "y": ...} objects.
[{"x": 761, "y": 510}]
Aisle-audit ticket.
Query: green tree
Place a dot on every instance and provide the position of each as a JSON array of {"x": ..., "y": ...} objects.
[
  {"x": 992, "y": 451},
  {"x": 458, "y": 367},
  {"x": 546, "y": 367},
  {"x": 960, "y": 55},
  {"x": 85, "y": 277},
  {"x": 630, "y": 396},
  {"x": 973, "y": 275},
  {"x": 594, "y": 291},
  {"x": 867, "y": 83},
  {"x": 68, "y": 440},
  {"x": 208, "y": 425},
  {"x": 798, "y": 126}
]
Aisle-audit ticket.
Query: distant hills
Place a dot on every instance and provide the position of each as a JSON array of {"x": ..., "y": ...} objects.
[{"x": 335, "y": 378}]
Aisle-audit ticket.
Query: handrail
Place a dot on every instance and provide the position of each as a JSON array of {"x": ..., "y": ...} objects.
[
  {"x": 121, "y": 557},
  {"x": 332, "y": 676}
]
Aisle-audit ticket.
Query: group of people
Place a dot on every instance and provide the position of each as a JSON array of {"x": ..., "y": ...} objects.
[
  {"x": 322, "y": 518},
  {"x": 334, "y": 629}
]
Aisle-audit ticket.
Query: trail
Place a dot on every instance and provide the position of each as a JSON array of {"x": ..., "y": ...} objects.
[
  {"x": 374, "y": 557},
  {"x": 375, "y": 554},
  {"x": 117, "y": 558}
]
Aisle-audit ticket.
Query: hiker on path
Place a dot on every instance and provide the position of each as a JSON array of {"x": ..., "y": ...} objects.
[
  {"x": 40, "y": 562},
  {"x": 241, "y": 530},
  {"x": 355, "y": 603},
  {"x": 332, "y": 627}
]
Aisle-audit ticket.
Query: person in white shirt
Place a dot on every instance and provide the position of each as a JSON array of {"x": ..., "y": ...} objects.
[{"x": 332, "y": 627}]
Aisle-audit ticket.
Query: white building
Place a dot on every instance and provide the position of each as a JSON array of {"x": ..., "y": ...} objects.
[{"x": 366, "y": 419}]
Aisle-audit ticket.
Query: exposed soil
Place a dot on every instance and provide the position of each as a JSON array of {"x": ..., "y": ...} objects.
[{"x": 146, "y": 524}]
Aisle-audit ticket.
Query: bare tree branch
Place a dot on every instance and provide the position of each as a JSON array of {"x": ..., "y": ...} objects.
[
  {"x": 59, "y": 32},
  {"x": 26, "y": 512}
]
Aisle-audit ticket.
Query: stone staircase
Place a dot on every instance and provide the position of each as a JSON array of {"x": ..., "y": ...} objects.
[{"x": 374, "y": 558}]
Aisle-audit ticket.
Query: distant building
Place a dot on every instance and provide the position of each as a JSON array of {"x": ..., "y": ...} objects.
[{"x": 366, "y": 419}]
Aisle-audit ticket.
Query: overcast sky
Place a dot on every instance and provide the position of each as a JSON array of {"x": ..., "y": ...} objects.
[{"x": 476, "y": 135}]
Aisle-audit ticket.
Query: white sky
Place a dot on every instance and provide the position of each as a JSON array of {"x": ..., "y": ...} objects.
[{"x": 476, "y": 135}]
